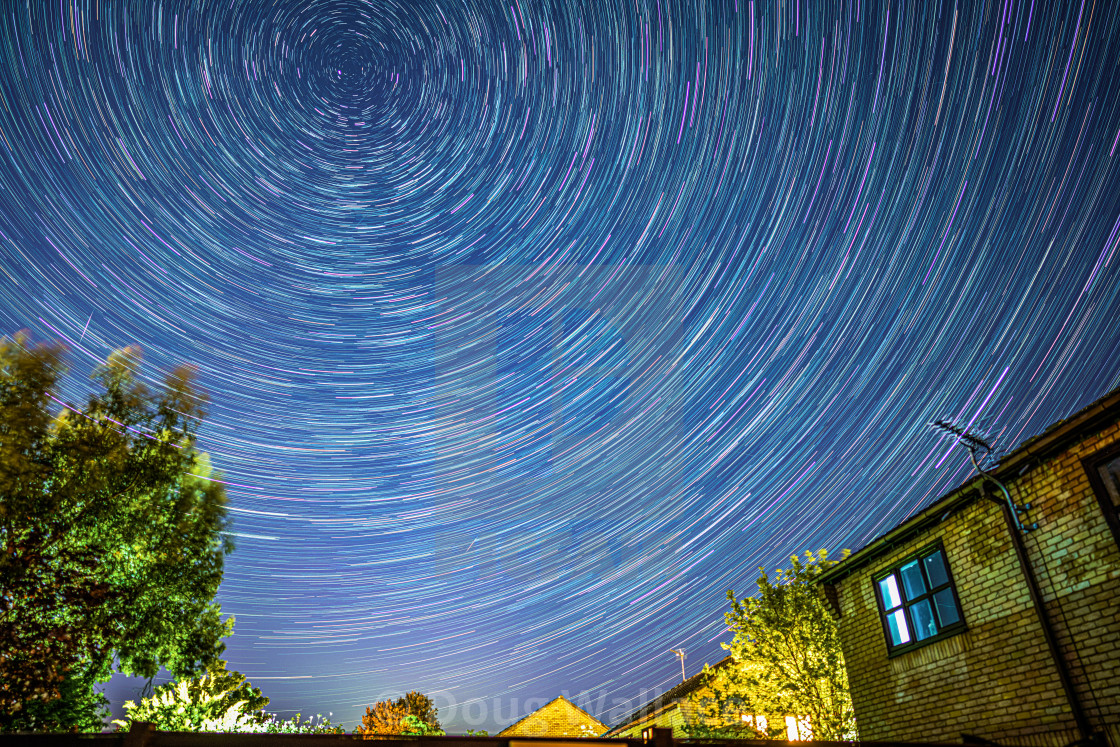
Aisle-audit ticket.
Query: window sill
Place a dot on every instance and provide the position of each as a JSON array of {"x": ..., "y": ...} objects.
[{"x": 908, "y": 647}]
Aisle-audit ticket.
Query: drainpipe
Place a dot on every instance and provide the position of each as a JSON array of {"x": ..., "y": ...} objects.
[{"x": 1015, "y": 529}]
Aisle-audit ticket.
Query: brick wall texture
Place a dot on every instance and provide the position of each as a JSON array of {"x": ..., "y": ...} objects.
[
  {"x": 669, "y": 717},
  {"x": 997, "y": 680},
  {"x": 557, "y": 718}
]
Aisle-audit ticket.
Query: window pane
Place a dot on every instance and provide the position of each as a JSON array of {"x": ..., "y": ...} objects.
[
  {"x": 804, "y": 728},
  {"x": 946, "y": 607},
  {"x": 888, "y": 588},
  {"x": 1110, "y": 476},
  {"x": 922, "y": 615},
  {"x": 797, "y": 729},
  {"x": 935, "y": 569},
  {"x": 896, "y": 621},
  {"x": 912, "y": 580}
]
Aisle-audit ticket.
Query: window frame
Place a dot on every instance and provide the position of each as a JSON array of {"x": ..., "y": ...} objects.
[
  {"x": 895, "y": 569},
  {"x": 1092, "y": 464}
]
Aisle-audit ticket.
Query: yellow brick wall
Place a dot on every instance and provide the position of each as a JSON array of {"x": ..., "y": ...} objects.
[
  {"x": 558, "y": 718},
  {"x": 670, "y": 718},
  {"x": 997, "y": 679}
]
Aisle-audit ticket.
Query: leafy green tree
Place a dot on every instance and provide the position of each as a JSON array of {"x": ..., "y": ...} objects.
[
  {"x": 725, "y": 707},
  {"x": 220, "y": 700},
  {"x": 785, "y": 660},
  {"x": 414, "y": 726},
  {"x": 111, "y": 536},
  {"x": 412, "y": 713},
  {"x": 80, "y": 704}
]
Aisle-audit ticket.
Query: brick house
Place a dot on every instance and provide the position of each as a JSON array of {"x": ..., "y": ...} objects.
[
  {"x": 556, "y": 718},
  {"x": 974, "y": 617},
  {"x": 666, "y": 711},
  {"x": 674, "y": 710}
]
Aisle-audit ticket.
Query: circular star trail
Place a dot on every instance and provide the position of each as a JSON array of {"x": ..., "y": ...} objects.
[{"x": 532, "y": 327}]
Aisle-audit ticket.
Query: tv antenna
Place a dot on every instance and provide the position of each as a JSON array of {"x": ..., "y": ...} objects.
[
  {"x": 966, "y": 438},
  {"x": 976, "y": 443},
  {"x": 680, "y": 655}
]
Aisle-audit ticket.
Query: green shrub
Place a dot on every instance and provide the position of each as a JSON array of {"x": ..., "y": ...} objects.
[{"x": 220, "y": 700}]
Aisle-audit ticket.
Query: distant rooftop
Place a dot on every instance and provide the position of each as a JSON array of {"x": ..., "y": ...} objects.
[{"x": 675, "y": 694}]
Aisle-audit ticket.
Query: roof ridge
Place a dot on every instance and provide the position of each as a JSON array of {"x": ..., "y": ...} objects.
[{"x": 562, "y": 697}]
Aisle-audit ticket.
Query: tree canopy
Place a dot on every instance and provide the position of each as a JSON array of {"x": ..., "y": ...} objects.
[
  {"x": 785, "y": 660},
  {"x": 412, "y": 713},
  {"x": 111, "y": 535}
]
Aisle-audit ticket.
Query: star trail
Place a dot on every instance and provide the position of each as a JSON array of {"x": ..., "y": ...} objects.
[{"x": 532, "y": 327}]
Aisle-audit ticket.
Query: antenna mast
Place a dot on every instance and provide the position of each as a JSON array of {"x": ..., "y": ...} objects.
[
  {"x": 680, "y": 655},
  {"x": 975, "y": 443}
]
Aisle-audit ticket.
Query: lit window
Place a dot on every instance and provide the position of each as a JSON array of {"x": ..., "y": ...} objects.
[
  {"x": 797, "y": 729},
  {"x": 917, "y": 601}
]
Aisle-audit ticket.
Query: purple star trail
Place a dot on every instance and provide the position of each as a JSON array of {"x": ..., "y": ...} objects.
[{"x": 530, "y": 328}]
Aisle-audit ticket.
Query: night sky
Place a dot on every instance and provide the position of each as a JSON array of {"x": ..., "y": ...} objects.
[{"x": 530, "y": 328}]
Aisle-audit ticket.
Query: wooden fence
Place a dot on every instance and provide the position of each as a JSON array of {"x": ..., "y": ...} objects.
[{"x": 142, "y": 735}]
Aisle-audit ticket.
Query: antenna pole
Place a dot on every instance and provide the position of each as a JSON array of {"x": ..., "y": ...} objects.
[
  {"x": 1017, "y": 529},
  {"x": 974, "y": 443},
  {"x": 680, "y": 655}
]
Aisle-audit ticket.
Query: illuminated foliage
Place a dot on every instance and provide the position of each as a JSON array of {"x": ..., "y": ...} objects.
[
  {"x": 413, "y": 713},
  {"x": 319, "y": 725},
  {"x": 785, "y": 660},
  {"x": 111, "y": 536},
  {"x": 220, "y": 700},
  {"x": 414, "y": 726}
]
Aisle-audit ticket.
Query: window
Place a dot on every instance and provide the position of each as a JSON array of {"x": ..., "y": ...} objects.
[
  {"x": 798, "y": 729},
  {"x": 1104, "y": 475},
  {"x": 918, "y": 602}
]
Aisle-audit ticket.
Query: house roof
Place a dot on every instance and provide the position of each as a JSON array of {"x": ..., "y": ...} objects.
[
  {"x": 669, "y": 697},
  {"x": 1022, "y": 459},
  {"x": 558, "y": 702}
]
